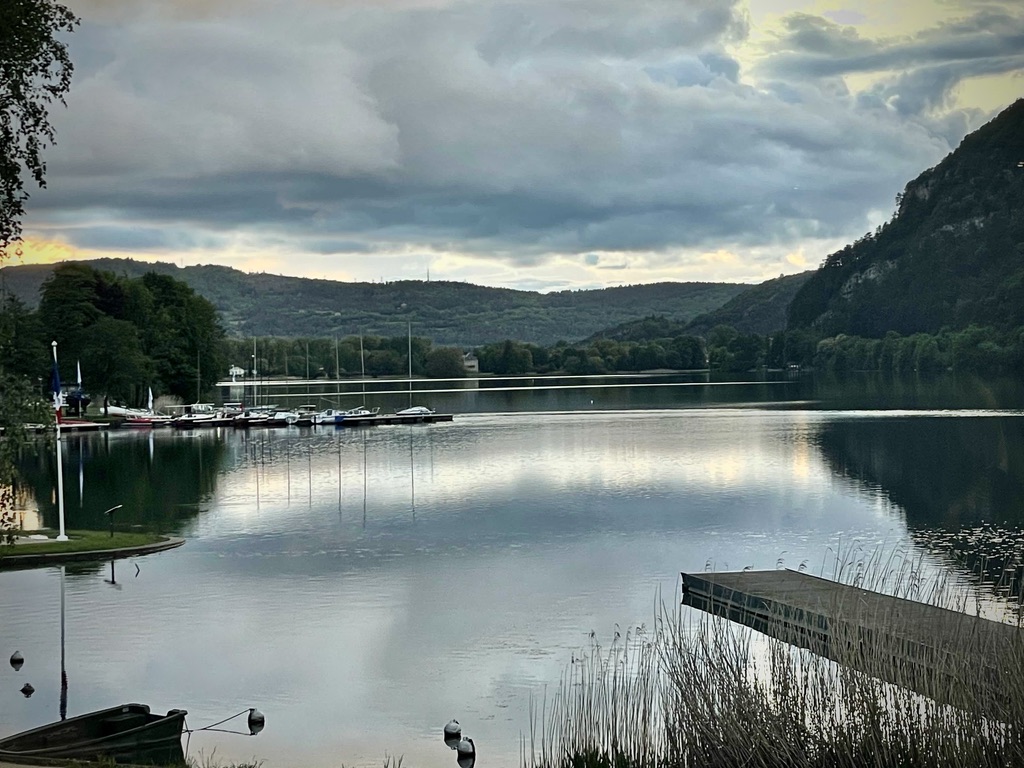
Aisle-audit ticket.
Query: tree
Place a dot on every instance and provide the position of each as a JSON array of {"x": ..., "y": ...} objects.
[
  {"x": 445, "y": 363},
  {"x": 67, "y": 304},
  {"x": 184, "y": 338},
  {"x": 22, "y": 356},
  {"x": 35, "y": 70},
  {"x": 115, "y": 357},
  {"x": 23, "y": 347}
]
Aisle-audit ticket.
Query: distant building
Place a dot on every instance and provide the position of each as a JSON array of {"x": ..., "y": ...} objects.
[
  {"x": 234, "y": 372},
  {"x": 470, "y": 363}
]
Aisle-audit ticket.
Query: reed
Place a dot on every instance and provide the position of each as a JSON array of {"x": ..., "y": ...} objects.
[
  {"x": 211, "y": 761},
  {"x": 698, "y": 690}
]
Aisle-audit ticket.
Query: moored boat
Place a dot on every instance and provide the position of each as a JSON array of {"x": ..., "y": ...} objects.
[
  {"x": 329, "y": 417},
  {"x": 201, "y": 415},
  {"x": 129, "y": 733},
  {"x": 147, "y": 421},
  {"x": 353, "y": 415},
  {"x": 283, "y": 418},
  {"x": 122, "y": 411},
  {"x": 415, "y": 410},
  {"x": 362, "y": 410},
  {"x": 248, "y": 419}
]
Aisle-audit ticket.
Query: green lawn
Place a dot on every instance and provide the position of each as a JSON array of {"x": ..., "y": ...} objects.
[{"x": 82, "y": 541}]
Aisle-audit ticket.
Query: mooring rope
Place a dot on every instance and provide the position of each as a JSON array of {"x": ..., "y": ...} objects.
[{"x": 213, "y": 728}]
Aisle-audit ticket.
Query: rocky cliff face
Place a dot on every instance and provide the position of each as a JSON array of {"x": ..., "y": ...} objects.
[{"x": 952, "y": 255}]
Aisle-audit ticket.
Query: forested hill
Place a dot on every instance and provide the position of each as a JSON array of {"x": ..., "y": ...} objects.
[
  {"x": 446, "y": 312},
  {"x": 759, "y": 309},
  {"x": 952, "y": 256}
]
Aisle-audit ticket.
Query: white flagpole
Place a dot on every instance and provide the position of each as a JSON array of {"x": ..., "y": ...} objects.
[
  {"x": 61, "y": 535},
  {"x": 150, "y": 402}
]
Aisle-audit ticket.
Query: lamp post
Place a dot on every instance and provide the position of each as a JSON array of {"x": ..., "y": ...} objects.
[
  {"x": 111, "y": 513},
  {"x": 61, "y": 534}
]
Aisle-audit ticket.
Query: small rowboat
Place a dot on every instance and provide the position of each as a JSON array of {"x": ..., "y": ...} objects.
[{"x": 129, "y": 733}]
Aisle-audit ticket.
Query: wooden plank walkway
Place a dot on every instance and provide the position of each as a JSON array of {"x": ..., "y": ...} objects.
[{"x": 951, "y": 657}]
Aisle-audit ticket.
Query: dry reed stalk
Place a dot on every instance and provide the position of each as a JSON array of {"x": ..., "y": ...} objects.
[{"x": 706, "y": 693}]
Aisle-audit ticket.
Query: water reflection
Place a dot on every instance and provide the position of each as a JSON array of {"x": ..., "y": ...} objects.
[
  {"x": 943, "y": 472},
  {"x": 958, "y": 481},
  {"x": 394, "y": 576},
  {"x": 159, "y": 479}
]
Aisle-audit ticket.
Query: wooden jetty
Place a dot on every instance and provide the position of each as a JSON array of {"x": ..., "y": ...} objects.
[
  {"x": 393, "y": 418},
  {"x": 951, "y": 657}
]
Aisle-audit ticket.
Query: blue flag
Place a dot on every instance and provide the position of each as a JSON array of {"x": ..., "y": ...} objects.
[{"x": 55, "y": 385}]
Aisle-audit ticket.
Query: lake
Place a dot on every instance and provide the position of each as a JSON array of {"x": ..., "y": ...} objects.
[{"x": 361, "y": 587}]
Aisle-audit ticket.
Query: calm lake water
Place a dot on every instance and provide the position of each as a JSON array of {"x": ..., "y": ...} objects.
[{"x": 362, "y": 587}]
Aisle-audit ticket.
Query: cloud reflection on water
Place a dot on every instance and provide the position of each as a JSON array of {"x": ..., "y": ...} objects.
[{"x": 490, "y": 548}]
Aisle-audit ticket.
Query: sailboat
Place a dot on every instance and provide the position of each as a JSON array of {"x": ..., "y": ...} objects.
[
  {"x": 413, "y": 410},
  {"x": 147, "y": 419}
]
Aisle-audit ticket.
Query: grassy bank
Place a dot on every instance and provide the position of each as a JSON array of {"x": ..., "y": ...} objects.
[
  {"x": 697, "y": 690},
  {"x": 80, "y": 541}
]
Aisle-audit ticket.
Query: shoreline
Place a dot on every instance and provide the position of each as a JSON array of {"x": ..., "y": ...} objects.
[{"x": 40, "y": 559}]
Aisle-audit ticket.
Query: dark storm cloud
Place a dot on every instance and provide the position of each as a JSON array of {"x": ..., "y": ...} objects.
[{"x": 505, "y": 129}]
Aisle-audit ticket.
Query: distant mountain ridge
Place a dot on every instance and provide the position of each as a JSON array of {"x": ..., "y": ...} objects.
[
  {"x": 952, "y": 255},
  {"x": 259, "y": 304}
]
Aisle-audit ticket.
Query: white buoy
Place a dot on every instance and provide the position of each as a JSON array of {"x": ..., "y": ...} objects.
[
  {"x": 256, "y": 721},
  {"x": 466, "y": 753},
  {"x": 17, "y": 660},
  {"x": 452, "y": 733}
]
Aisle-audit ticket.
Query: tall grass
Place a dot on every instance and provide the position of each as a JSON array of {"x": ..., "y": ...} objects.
[{"x": 698, "y": 690}]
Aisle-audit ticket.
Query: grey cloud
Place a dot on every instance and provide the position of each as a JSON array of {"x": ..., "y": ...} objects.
[
  {"x": 927, "y": 66},
  {"x": 127, "y": 238},
  {"x": 328, "y": 247},
  {"x": 721, "y": 64},
  {"x": 505, "y": 129},
  {"x": 699, "y": 70},
  {"x": 805, "y": 33},
  {"x": 606, "y": 28},
  {"x": 930, "y": 87}
]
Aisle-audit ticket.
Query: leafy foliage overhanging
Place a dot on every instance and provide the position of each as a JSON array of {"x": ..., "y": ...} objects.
[{"x": 35, "y": 71}]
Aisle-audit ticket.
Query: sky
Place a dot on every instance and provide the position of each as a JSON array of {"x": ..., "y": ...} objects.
[{"x": 531, "y": 144}]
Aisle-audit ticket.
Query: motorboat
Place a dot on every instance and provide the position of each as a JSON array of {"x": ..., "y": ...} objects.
[
  {"x": 306, "y": 414},
  {"x": 415, "y": 410},
  {"x": 283, "y": 418},
  {"x": 353, "y": 415},
  {"x": 329, "y": 417},
  {"x": 247, "y": 419},
  {"x": 361, "y": 411},
  {"x": 200, "y": 415}
]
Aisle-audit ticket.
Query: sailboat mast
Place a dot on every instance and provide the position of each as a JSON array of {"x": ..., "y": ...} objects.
[
  {"x": 362, "y": 366},
  {"x": 410, "y": 364}
]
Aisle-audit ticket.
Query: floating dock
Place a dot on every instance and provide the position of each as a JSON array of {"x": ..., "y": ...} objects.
[
  {"x": 951, "y": 657},
  {"x": 392, "y": 418}
]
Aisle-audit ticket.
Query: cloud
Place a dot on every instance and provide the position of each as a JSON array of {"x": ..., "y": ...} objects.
[
  {"x": 918, "y": 73},
  {"x": 511, "y": 132}
]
